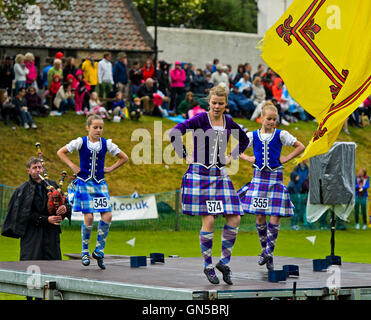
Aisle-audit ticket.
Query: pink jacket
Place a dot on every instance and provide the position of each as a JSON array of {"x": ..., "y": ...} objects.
[
  {"x": 32, "y": 74},
  {"x": 177, "y": 77}
]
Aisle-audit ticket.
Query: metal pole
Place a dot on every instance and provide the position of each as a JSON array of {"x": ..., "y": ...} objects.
[
  {"x": 333, "y": 225},
  {"x": 155, "y": 40}
]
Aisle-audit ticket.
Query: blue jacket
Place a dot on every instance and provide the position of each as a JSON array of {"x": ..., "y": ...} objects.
[
  {"x": 119, "y": 73},
  {"x": 365, "y": 186}
]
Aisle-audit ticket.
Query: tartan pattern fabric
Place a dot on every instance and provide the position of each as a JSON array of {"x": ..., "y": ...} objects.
[
  {"x": 206, "y": 243},
  {"x": 272, "y": 234},
  {"x": 269, "y": 185},
  {"x": 200, "y": 184},
  {"x": 262, "y": 233},
  {"x": 85, "y": 238},
  {"x": 229, "y": 235},
  {"x": 85, "y": 192},
  {"x": 103, "y": 228}
]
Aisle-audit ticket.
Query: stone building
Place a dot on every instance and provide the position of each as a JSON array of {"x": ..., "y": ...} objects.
[{"x": 88, "y": 26}]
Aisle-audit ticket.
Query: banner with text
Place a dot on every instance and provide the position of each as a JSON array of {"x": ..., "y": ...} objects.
[{"x": 127, "y": 209}]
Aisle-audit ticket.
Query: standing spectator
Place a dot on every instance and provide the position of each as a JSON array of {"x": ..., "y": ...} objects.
[
  {"x": 21, "y": 109},
  {"x": 120, "y": 75},
  {"x": 7, "y": 75},
  {"x": 208, "y": 69},
  {"x": 135, "y": 76},
  {"x": 105, "y": 78},
  {"x": 69, "y": 67},
  {"x": 148, "y": 71},
  {"x": 177, "y": 79},
  {"x": 56, "y": 69},
  {"x": 277, "y": 89},
  {"x": 294, "y": 190},
  {"x": 162, "y": 76},
  {"x": 219, "y": 76},
  {"x": 214, "y": 67},
  {"x": 199, "y": 82},
  {"x": 362, "y": 184},
  {"x": 239, "y": 73},
  {"x": 90, "y": 70},
  {"x": 45, "y": 73},
  {"x": 20, "y": 73},
  {"x": 31, "y": 78}
]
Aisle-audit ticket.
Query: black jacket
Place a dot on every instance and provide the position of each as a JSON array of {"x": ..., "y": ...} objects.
[{"x": 27, "y": 218}]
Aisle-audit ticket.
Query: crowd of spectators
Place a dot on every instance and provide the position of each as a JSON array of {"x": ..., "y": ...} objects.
[{"x": 163, "y": 90}]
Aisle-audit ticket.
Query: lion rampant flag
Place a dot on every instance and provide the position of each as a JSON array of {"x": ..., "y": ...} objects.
[{"x": 322, "y": 51}]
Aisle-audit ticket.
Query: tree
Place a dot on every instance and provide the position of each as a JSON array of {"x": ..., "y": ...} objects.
[
  {"x": 229, "y": 15},
  {"x": 13, "y": 9},
  {"x": 171, "y": 12}
]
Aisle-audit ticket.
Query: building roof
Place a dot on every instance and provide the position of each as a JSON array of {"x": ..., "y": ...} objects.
[{"x": 88, "y": 25}]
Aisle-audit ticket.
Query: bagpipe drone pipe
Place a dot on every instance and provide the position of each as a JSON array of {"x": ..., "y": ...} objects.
[{"x": 56, "y": 197}]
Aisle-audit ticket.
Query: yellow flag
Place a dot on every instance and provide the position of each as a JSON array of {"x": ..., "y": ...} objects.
[{"x": 322, "y": 51}]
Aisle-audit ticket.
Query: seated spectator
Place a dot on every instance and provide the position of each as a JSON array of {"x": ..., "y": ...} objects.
[
  {"x": 56, "y": 69},
  {"x": 186, "y": 104},
  {"x": 277, "y": 89},
  {"x": 82, "y": 98},
  {"x": 6, "y": 107},
  {"x": 53, "y": 90},
  {"x": 136, "y": 109},
  {"x": 195, "y": 109},
  {"x": 245, "y": 85},
  {"x": 21, "y": 110},
  {"x": 63, "y": 100},
  {"x": 362, "y": 184},
  {"x": 96, "y": 106},
  {"x": 118, "y": 106},
  {"x": 259, "y": 95},
  {"x": 34, "y": 103},
  {"x": 69, "y": 67},
  {"x": 292, "y": 107},
  {"x": 238, "y": 103},
  {"x": 145, "y": 93},
  {"x": 31, "y": 77}
]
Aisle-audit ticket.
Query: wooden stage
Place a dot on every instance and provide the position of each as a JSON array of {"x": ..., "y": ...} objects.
[{"x": 181, "y": 279}]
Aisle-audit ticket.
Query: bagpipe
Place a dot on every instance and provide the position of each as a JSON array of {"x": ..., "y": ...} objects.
[{"x": 56, "y": 197}]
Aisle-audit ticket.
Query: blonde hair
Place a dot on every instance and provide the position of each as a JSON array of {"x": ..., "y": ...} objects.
[
  {"x": 268, "y": 105},
  {"x": 220, "y": 90},
  {"x": 91, "y": 118},
  {"x": 28, "y": 56},
  {"x": 19, "y": 58}
]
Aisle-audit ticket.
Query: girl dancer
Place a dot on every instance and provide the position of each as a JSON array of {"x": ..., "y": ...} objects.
[
  {"x": 91, "y": 190},
  {"x": 266, "y": 195},
  {"x": 206, "y": 188}
]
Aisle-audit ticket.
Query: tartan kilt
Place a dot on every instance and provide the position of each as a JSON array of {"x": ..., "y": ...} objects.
[
  {"x": 209, "y": 192},
  {"x": 266, "y": 195},
  {"x": 84, "y": 194}
]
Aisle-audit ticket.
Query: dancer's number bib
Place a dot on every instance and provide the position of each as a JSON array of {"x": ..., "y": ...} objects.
[
  {"x": 214, "y": 206},
  {"x": 260, "y": 203},
  {"x": 101, "y": 203}
]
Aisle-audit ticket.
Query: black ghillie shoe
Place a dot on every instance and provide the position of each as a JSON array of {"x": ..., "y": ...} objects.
[
  {"x": 85, "y": 260},
  {"x": 211, "y": 276},
  {"x": 100, "y": 260},
  {"x": 226, "y": 271},
  {"x": 270, "y": 265}
]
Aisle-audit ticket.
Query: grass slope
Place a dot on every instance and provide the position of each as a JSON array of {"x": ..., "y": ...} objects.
[{"x": 54, "y": 132}]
